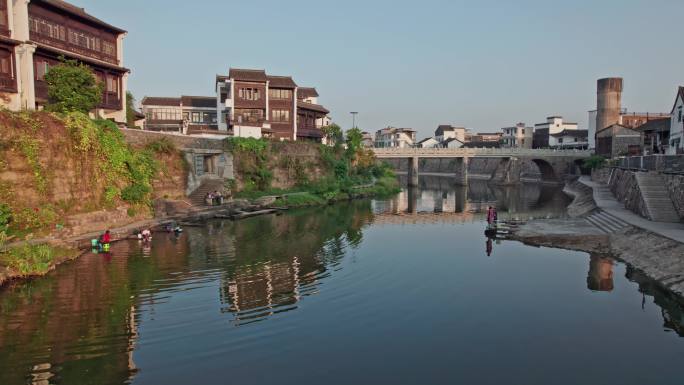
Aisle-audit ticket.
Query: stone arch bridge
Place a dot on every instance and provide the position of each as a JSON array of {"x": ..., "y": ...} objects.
[{"x": 554, "y": 165}]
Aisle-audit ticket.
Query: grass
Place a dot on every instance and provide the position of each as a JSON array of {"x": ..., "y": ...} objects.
[
  {"x": 30, "y": 259},
  {"x": 300, "y": 200}
]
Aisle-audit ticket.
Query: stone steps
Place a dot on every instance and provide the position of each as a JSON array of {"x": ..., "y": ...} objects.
[
  {"x": 606, "y": 222},
  {"x": 656, "y": 197},
  {"x": 197, "y": 198}
]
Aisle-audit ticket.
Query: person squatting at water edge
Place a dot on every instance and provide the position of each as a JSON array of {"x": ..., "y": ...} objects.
[{"x": 102, "y": 243}]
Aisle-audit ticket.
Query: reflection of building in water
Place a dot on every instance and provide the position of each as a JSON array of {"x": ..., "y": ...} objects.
[{"x": 600, "y": 276}]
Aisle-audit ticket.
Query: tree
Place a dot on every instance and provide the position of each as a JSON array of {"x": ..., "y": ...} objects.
[
  {"x": 130, "y": 109},
  {"x": 333, "y": 133},
  {"x": 354, "y": 139},
  {"x": 72, "y": 87}
]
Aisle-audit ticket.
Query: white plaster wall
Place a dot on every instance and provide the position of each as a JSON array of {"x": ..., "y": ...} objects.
[
  {"x": 247, "y": 131},
  {"x": 592, "y": 129},
  {"x": 676, "y": 127}
]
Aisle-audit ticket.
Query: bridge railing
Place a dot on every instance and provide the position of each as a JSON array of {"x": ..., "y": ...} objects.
[{"x": 411, "y": 151}]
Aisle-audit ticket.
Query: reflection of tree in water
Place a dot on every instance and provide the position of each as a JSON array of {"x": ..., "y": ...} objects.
[
  {"x": 279, "y": 259},
  {"x": 79, "y": 324},
  {"x": 671, "y": 307}
]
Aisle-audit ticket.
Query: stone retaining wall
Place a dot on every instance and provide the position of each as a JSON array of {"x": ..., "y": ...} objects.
[
  {"x": 675, "y": 186},
  {"x": 625, "y": 188}
]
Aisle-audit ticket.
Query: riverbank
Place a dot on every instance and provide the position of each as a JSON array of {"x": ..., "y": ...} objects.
[
  {"x": 657, "y": 256},
  {"x": 38, "y": 257}
]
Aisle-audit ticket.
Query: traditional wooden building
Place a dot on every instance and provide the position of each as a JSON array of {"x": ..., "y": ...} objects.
[
  {"x": 251, "y": 103},
  {"x": 35, "y": 34}
]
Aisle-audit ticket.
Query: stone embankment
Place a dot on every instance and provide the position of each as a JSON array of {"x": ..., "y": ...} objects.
[{"x": 594, "y": 231}]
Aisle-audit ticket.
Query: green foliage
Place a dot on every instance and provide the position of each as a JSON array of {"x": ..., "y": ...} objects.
[
  {"x": 5, "y": 217},
  {"x": 162, "y": 146},
  {"x": 127, "y": 173},
  {"x": 32, "y": 259},
  {"x": 252, "y": 162},
  {"x": 130, "y": 109},
  {"x": 594, "y": 162},
  {"x": 354, "y": 140},
  {"x": 252, "y": 145},
  {"x": 333, "y": 133},
  {"x": 300, "y": 200},
  {"x": 30, "y": 148},
  {"x": 72, "y": 87},
  {"x": 35, "y": 218}
]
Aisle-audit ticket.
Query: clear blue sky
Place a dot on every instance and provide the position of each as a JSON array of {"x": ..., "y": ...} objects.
[{"x": 481, "y": 64}]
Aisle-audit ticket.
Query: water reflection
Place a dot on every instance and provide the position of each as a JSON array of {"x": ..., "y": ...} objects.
[
  {"x": 101, "y": 319},
  {"x": 600, "y": 276},
  {"x": 442, "y": 195}
]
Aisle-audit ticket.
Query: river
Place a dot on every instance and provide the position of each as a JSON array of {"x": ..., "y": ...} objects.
[{"x": 400, "y": 291}]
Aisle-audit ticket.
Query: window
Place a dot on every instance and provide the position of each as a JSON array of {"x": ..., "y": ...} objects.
[
  {"x": 523, "y": 131},
  {"x": 279, "y": 94},
  {"x": 196, "y": 117},
  {"x": 47, "y": 28},
  {"x": 112, "y": 84},
  {"x": 249, "y": 115},
  {"x": 186, "y": 116},
  {"x": 679, "y": 118},
  {"x": 210, "y": 118},
  {"x": 280, "y": 115},
  {"x": 560, "y": 140},
  {"x": 6, "y": 63},
  {"x": 164, "y": 114},
  {"x": 42, "y": 68},
  {"x": 249, "y": 93}
]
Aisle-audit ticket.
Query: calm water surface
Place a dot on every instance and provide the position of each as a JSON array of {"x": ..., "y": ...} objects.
[{"x": 401, "y": 291}]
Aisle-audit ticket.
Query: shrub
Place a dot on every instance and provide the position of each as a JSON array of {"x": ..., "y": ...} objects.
[
  {"x": 594, "y": 162},
  {"x": 72, "y": 87}
]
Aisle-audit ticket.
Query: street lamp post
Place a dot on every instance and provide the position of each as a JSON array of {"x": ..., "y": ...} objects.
[{"x": 354, "y": 113}]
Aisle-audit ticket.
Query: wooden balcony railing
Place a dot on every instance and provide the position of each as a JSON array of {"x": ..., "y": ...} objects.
[
  {"x": 8, "y": 84},
  {"x": 66, "y": 46}
]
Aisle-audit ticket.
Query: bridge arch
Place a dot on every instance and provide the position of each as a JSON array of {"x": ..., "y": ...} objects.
[{"x": 548, "y": 173}]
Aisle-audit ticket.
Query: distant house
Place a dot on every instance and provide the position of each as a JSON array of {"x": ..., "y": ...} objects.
[
  {"x": 553, "y": 125},
  {"x": 428, "y": 143},
  {"x": 392, "y": 137},
  {"x": 656, "y": 133},
  {"x": 185, "y": 115},
  {"x": 569, "y": 139},
  {"x": 481, "y": 144},
  {"x": 367, "y": 140},
  {"x": 617, "y": 140},
  {"x": 446, "y": 131},
  {"x": 676, "y": 139},
  {"x": 518, "y": 136},
  {"x": 452, "y": 143}
]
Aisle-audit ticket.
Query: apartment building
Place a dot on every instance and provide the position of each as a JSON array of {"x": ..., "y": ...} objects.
[
  {"x": 35, "y": 34},
  {"x": 251, "y": 103},
  {"x": 191, "y": 115},
  {"x": 676, "y": 135},
  {"x": 393, "y": 137},
  {"x": 517, "y": 136},
  {"x": 543, "y": 138}
]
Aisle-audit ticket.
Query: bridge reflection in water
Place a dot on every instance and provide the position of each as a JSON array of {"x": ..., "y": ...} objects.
[{"x": 442, "y": 199}]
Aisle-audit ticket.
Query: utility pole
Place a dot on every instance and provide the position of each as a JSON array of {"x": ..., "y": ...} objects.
[{"x": 354, "y": 113}]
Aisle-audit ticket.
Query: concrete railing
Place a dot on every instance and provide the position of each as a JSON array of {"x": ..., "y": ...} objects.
[
  {"x": 671, "y": 164},
  {"x": 467, "y": 152}
]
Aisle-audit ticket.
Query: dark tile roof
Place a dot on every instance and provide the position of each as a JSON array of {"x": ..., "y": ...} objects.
[
  {"x": 81, "y": 13},
  {"x": 221, "y": 78},
  {"x": 426, "y": 139},
  {"x": 306, "y": 92},
  {"x": 248, "y": 75},
  {"x": 161, "y": 101},
  {"x": 281, "y": 82},
  {"x": 312, "y": 107},
  {"x": 452, "y": 140},
  {"x": 199, "y": 101},
  {"x": 572, "y": 133},
  {"x": 656, "y": 125},
  {"x": 138, "y": 115}
]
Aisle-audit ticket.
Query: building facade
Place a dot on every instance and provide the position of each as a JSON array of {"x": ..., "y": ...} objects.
[
  {"x": 554, "y": 125},
  {"x": 185, "y": 115},
  {"x": 617, "y": 140},
  {"x": 517, "y": 136},
  {"x": 35, "y": 34},
  {"x": 392, "y": 137},
  {"x": 250, "y": 103},
  {"x": 676, "y": 137},
  {"x": 445, "y": 131},
  {"x": 569, "y": 139}
]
